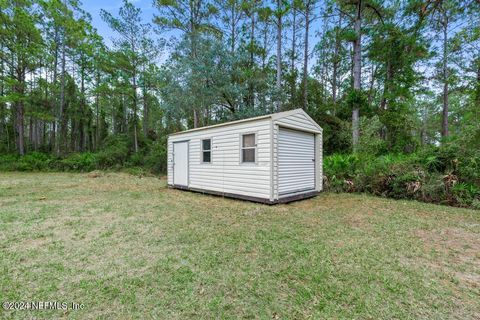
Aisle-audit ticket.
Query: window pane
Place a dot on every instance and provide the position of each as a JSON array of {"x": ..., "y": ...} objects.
[
  {"x": 206, "y": 156},
  {"x": 249, "y": 140},
  {"x": 206, "y": 144},
  {"x": 248, "y": 155}
]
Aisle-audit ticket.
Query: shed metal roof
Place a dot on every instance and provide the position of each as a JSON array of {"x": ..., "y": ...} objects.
[{"x": 274, "y": 116}]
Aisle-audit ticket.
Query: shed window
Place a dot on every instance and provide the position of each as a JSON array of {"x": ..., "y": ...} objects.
[
  {"x": 207, "y": 150},
  {"x": 249, "y": 147}
]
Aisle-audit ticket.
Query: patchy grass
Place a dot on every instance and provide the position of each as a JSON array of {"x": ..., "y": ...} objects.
[{"x": 128, "y": 247}]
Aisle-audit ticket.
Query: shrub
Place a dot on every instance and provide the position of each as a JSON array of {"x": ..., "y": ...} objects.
[
  {"x": 433, "y": 189},
  {"x": 465, "y": 193},
  {"x": 439, "y": 174},
  {"x": 33, "y": 161},
  {"x": 83, "y": 162},
  {"x": 137, "y": 159},
  {"x": 340, "y": 165},
  {"x": 476, "y": 204},
  {"x": 468, "y": 168},
  {"x": 406, "y": 184},
  {"x": 156, "y": 159},
  {"x": 370, "y": 141},
  {"x": 114, "y": 153},
  {"x": 8, "y": 162}
]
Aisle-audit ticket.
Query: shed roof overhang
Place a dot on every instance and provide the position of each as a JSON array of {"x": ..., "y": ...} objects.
[{"x": 273, "y": 116}]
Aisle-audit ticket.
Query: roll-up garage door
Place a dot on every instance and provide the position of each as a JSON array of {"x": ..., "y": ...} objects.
[{"x": 296, "y": 161}]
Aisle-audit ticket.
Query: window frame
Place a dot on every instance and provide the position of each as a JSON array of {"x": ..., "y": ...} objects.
[
  {"x": 241, "y": 148},
  {"x": 202, "y": 150}
]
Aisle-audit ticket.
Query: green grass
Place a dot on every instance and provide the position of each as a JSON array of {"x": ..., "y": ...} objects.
[{"x": 128, "y": 247}]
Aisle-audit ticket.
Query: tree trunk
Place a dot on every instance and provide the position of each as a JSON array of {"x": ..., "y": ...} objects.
[
  {"x": 53, "y": 131},
  {"x": 305, "y": 58},
  {"x": 30, "y": 131},
  {"x": 193, "y": 51},
  {"x": 145, "y": 111},
  {"x": 83, "y": 106},
  {"x": 423, "y": 128},
  {"x": 279, "y": 56},
  {"x": 63, "y": 117},
  {"x": 135, "y": 134},
  {"x": 262, "y": 94},
  {"x": 38, "y": 133},
  {"x": 445, "y": 77},
  {"x": 386, "y": 86},
  {"x": 2, "y": 104},
  {"x": 20, "y": 129},
  {"x": 265, "y": 35},
  {"x": 336, "y": 62},
  {"x": 252, "y": 62},
  {"x": 372, "y": 83},
  {"x": 73, "y": 133},
  {"x": 97, "y": 123},
  {"x": 125, "y": 113},
  {"x": 293, "y": 86},
  {"x": 357, "y": 73},
  {"x": 195, "y": 118},
  {"x": 477, "y": 89},
  {"x": 114, "y": 115},
  {"x": 233, "y": 39},
  {"x": 19, "y": 123}
]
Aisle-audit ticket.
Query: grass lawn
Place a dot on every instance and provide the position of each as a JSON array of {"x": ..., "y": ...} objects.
[{"x": 128, "y": 247}]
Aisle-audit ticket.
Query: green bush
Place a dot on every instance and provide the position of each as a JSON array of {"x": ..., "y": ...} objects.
[
  {"x": 433, "y": 189},
  {"x": 405, "y": 185},
  {"x": 137, "y": 159},
  {"x": 469, "y": 168},
  {"x": 8, "y": 162},
  {"x": 370, "y": 141},
  {"x": 439, "y": 175},
  {"x": 465, "y": 193},
  {"x": 156, "y": 159},
  {"x": 33, "y": 161},
  {"x": 114, "y": 152},
  {"x": 341, "y": 165},
  {"x": 83, "y": 162}
]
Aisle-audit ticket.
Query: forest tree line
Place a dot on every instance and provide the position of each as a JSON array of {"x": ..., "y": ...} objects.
[{"x": 389, "y": 75}]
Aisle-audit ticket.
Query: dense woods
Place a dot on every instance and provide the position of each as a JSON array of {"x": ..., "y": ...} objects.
[{"x": 395, "y": 80}]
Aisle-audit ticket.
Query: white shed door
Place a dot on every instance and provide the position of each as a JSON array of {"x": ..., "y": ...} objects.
[
  {"x": 180, "y": 163},
  {"x": 296, "y": 161}
]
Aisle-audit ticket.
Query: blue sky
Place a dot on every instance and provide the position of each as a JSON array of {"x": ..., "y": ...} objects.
[
  {"x": 94, "y": 6},
  {"x": 148, "y": 11}
]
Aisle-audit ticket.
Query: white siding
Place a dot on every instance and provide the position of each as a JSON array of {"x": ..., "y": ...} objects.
[
  {"x": 225, "y": 173},
  {"x": 169, "y": 161},
  {"x": 275, "y": 161},
  {"x": 319, "y": 161}
]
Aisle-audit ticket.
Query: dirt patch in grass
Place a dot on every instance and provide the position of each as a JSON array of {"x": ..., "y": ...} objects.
[
  {"x": 357, "y": 221},
  {"x": 459, "y": 250},
  {"x": 463, "y": 243},
  {"x": 95, "y": 174}
]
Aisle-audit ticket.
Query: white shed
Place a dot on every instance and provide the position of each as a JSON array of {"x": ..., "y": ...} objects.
[{"x": 271, "y": 159}]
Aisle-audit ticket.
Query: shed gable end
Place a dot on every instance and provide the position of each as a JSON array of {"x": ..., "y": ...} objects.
[{"x": 298, "y": 119}]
